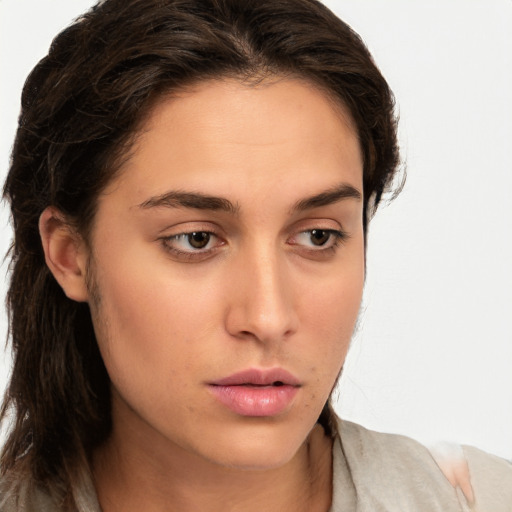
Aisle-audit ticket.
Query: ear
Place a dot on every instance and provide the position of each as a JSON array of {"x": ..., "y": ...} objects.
[{"x": 65, "y": 254}]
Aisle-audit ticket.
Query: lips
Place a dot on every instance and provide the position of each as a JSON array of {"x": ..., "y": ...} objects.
[
  {"x": 256, "y": 392},
  {"x": 256, "y": 377}
]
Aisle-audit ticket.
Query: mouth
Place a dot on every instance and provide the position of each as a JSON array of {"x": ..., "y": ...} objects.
[
  {"x": 275, "y": 377},
  {"x": 275, "y": 384},
  {"x": 257, "y": 393}
]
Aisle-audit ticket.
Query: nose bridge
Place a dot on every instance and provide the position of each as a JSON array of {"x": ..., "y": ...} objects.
[{"x": 262, "y": 304}]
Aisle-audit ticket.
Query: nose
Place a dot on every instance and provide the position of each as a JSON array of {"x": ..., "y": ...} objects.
[{"x": 263, "y": 299}]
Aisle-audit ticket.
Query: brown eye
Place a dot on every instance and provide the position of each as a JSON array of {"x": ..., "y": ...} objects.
[
  {"x": 199, "y": 239},
  {"x": 193, "y": 242},
  {"x": 318, "y": 240},
  {"x": 320, "y": 236}
]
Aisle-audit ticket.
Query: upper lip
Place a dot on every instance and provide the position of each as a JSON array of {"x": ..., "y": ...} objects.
[{"x": 259, "y": 377}]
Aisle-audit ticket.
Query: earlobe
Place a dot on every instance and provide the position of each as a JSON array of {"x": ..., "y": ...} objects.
[{"x": 65, "y": 254}]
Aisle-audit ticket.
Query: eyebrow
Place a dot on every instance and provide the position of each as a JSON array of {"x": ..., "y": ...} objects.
[
  {"x": 199, "y": 201},
  {"x": 330, "y": 196},
  {"x": 196, "y": 200}
]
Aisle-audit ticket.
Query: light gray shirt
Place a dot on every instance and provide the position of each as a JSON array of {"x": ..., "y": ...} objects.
[
  {"x": 372, "y": 472},
  {"x": 386, "y": 472}
]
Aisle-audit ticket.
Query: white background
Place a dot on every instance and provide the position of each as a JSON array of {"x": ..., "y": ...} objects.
[{"x": 433, "y": 356}]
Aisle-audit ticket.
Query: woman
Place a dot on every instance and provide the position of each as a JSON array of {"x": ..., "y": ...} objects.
[{"x": 191, "y": 187}]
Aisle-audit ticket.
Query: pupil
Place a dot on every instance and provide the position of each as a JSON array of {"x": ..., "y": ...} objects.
[
  {"x": 319, "y": 236},
  {"x": 199, "y": 240}
]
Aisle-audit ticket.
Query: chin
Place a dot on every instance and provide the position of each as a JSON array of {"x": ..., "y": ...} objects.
[{"x": 257, "y": 449}]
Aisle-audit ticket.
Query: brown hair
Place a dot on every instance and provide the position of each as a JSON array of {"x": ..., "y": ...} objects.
[{"x": 81, "y": 107}]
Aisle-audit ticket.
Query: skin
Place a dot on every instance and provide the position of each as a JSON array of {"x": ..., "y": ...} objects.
[{"x": 266, "y": 291}]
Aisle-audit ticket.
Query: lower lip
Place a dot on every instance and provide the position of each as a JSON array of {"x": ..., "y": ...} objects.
[{"x": 255, "y": 400}]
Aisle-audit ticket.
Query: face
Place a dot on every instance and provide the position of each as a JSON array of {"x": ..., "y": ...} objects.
[{"x": 228, "y": 259}]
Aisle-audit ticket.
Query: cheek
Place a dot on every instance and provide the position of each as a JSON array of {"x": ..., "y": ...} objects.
[
  {"x": 144, "y": 323},
  {"x": 330, "y": 315},
  {"x": 333, "y": 306}
]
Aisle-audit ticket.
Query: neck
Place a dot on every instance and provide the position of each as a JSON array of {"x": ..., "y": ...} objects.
[{"x": 132, "y": 474}]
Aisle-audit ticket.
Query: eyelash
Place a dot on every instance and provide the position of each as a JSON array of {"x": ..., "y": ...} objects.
[{"x": 200, "y": 254}]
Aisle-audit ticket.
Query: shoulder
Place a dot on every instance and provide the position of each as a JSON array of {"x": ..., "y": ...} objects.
[
  {"x": 363, "y": 443},
  {"x": 398, "y": 470},
  {"x": 20, "y": 493},
  {"x": 491, "y": 479},
  {"x": 394, "y": 472},
  {"x": 18, "y": 496}
]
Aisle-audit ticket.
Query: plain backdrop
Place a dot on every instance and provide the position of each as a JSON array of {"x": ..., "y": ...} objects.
[{"x": 432, "y": 358}]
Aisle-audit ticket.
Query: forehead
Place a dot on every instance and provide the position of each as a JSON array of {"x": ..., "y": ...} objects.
[
  {"x": 220, "y": 132},
  {"x": 254, "y": 111}
]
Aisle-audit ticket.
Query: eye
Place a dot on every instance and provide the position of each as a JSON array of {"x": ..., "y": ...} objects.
[
  {"x": 318, "y": 239},
  {"x": 193, "y": 241},
  {"x": 194, "y": 244},
  {"x": 320, "y": 236},
  {"x": 198, "y": 239}
]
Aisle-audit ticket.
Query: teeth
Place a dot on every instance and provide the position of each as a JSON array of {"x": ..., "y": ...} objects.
[{"x": 277, "y": 383}]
